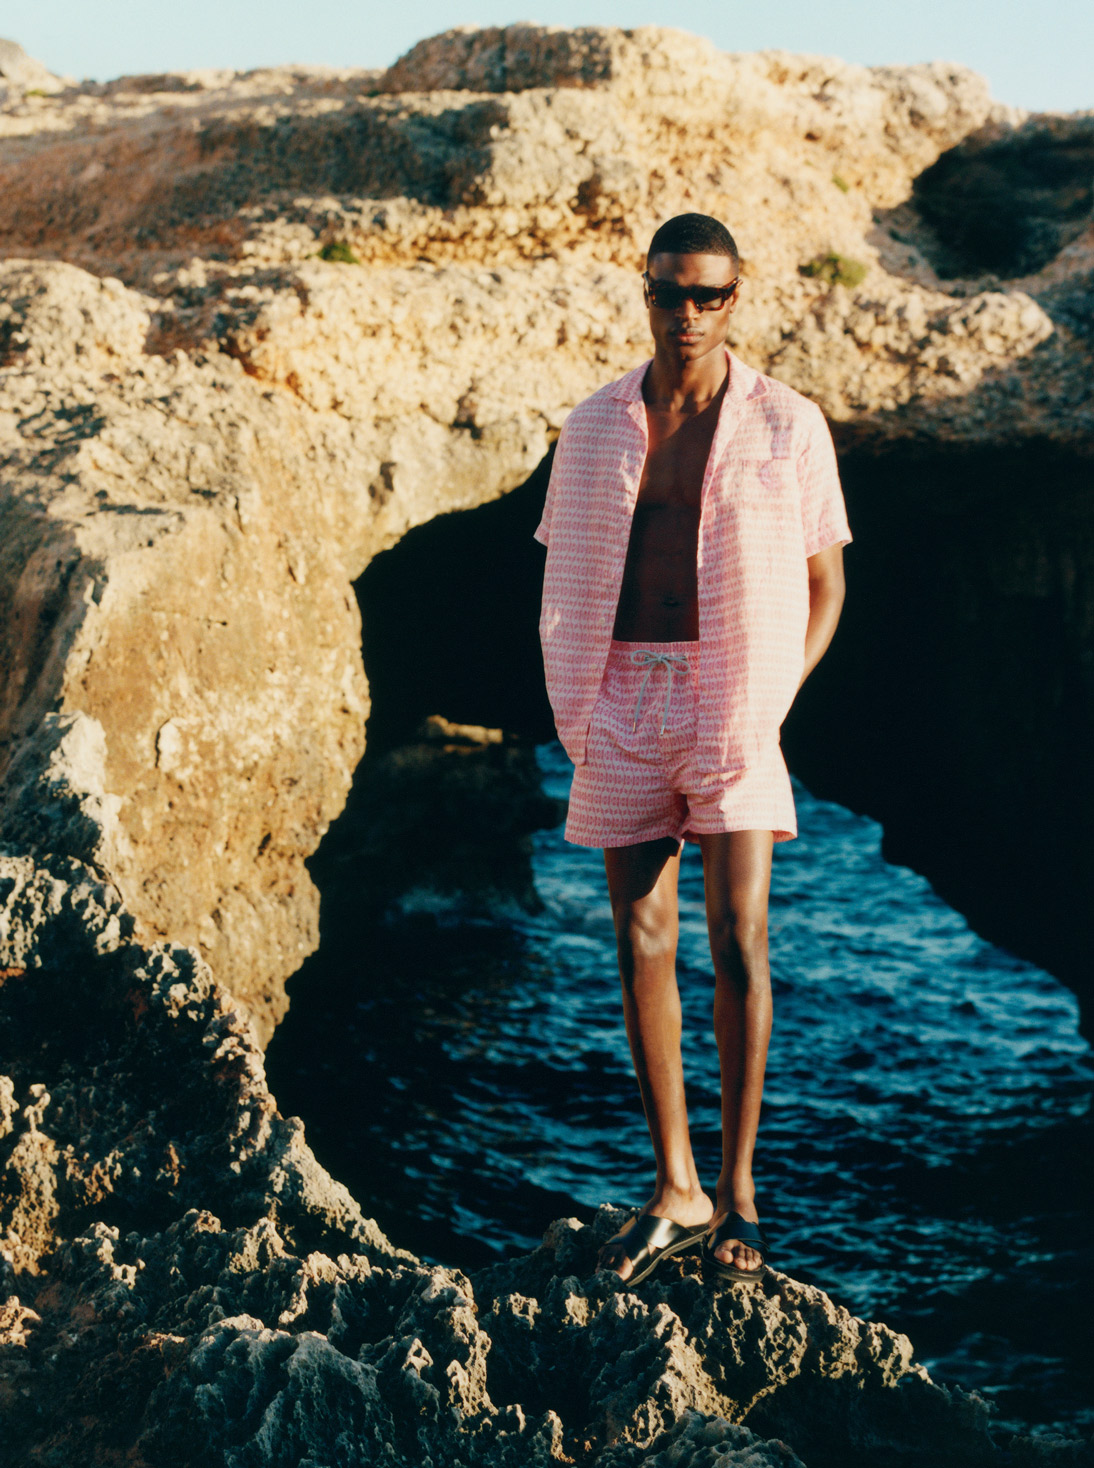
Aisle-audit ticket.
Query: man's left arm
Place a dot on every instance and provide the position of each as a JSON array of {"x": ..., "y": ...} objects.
[{"x": 826, "y": 591}]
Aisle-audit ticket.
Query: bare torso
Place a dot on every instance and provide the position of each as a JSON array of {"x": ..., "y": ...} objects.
[{"x": 658, "y": 601}]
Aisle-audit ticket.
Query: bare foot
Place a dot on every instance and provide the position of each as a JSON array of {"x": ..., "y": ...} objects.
[
  {"x": 689, "y": 1209},
  {"x": 733, "y": 1251}
]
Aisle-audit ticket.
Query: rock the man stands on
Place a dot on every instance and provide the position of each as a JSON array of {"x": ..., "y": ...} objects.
[{"x": 694, "y": 528}]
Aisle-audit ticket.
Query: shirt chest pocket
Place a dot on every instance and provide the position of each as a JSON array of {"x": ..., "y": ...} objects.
[
  {"x": 758, "y": 518},
  {"x": 763, "y": 483},
  {"x": 759, "y": 509}
]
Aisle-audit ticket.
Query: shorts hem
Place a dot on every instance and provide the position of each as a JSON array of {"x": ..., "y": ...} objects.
[
  {"x": 615, "y": 842},
  {"x": 779, "y": 833}
]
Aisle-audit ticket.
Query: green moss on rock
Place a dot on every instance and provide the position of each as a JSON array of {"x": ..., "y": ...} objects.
[
  {"x": 338, "y": 253},
  {"x": 835, "y": 270}
]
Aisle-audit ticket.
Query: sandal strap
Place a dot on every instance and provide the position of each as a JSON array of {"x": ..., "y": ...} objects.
[
  {"x": 733, "y": 1226},
  {"x": 651, "y": 1234}
]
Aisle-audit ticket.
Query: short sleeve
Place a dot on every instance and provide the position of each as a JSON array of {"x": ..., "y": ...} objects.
[
  {"x": 824, "y": 514},
  {"x": 542, "y": 531}
]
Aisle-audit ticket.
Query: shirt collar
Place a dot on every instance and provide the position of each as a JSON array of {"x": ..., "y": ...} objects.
[{"x": 744, "y": 382}]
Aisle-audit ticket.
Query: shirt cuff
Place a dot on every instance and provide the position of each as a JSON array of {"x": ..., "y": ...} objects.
[{"x": 822, "y": 539}]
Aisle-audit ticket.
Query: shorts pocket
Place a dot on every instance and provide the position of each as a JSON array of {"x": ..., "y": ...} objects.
[{"x": 605, "y": 717}]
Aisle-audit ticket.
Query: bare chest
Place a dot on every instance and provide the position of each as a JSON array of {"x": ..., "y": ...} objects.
[{"x": 676, "y": 460}]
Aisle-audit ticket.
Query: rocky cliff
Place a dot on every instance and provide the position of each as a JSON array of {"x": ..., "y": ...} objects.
[
  {"x": 212, "y": 419},
  {"x": 254, "y": 329},
  {"x": 182, "y": 1282}
]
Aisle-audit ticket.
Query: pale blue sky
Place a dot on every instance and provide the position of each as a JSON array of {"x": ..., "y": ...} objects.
[{"x": 1035, "y": 55}]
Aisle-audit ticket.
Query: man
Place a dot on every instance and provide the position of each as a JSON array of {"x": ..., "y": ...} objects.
[{"x": 694, "y": 527}]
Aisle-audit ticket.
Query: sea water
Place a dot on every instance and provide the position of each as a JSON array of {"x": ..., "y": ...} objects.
[{"x": 925, "y": 1147}]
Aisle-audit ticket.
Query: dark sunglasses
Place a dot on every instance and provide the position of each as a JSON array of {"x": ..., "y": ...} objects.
[{"x": 666, "y": 295}]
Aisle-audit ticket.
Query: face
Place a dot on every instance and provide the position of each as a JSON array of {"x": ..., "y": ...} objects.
[{"x": 684, "y": 332}]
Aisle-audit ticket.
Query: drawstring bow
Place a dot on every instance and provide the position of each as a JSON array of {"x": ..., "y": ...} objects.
[{"x": 671, "y": 662}]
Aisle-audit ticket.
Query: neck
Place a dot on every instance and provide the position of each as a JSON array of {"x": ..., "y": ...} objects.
[{"x": 685, "y": 386}]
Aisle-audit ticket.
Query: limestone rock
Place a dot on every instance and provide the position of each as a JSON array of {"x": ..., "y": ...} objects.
[
  {"x": 20, "y": 72},
  {"x": 54, "y": 795},
  {"x": 271, "y": 1322},
  {"x": 204, "y": 679},
  {"x": 436, "y": 825},
  {"x": 101, "y": 1021},
  {"x": 211, "y": 420},
  {"x": 208, "y": 429}
]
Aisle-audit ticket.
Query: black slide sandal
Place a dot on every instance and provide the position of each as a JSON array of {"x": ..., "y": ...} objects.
[
  {"x": 657, "y": 1239},
  {"x": 733, "y": 1226}
]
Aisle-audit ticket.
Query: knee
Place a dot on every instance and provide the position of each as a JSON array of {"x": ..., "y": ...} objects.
[
  {"x": 645, "y": 935},
  {"x": 738, "y": 944}
]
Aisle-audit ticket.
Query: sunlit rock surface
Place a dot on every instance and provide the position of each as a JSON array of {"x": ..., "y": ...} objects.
[
  {"x": 198, "y": 462},
  {"x": 253, "y": 328}
]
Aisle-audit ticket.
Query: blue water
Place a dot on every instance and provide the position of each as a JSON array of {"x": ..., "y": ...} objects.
[{"x": 925, "y": 1148}]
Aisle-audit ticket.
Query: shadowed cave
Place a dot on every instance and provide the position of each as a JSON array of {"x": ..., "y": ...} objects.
[
  {"x": 955, "y": 705},
  {"x": 450, "y": 621},
  {"x": 1009, "y": 204}
]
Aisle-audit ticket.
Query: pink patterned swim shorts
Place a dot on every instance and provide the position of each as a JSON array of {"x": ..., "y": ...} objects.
[{"x": 639, "y": 782}]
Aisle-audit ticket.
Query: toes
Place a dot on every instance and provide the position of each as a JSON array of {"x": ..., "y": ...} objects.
[
  {"x": 615, "y": 1260},
  {"x": 613, "y": 1255},
  {"x": 741, "y": 1256}
]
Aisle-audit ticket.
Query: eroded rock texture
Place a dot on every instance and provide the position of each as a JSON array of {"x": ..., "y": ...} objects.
[
  {"x": 253, "y": 329},
  {"x": 211, "y": 421},
  {"x": 183, "y": 1283}
]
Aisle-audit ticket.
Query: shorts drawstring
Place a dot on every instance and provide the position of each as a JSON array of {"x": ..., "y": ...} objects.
[{"x": 671, "y": 662}]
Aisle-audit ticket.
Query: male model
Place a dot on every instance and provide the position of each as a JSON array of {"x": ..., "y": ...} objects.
[{"x": 694, "y": 527}]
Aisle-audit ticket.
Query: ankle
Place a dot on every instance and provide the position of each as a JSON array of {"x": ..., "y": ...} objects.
[
  {"x": 686, "y": 1205},
  {"x": 737, "y": 1195},
  {"x": 678, "y": 1192}
]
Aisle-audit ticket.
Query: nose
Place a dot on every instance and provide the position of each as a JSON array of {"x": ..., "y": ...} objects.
[{"x": 689, "y": 308}]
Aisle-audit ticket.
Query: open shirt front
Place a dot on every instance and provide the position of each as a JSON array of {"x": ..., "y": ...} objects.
[{"x": 770, "y": 499}]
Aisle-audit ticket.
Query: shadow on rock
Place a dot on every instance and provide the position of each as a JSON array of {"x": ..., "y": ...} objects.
[{"x": 138, "y": 1323}]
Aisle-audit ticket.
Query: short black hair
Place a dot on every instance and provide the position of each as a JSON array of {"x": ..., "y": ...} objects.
[{"x": 694, "y": 234}]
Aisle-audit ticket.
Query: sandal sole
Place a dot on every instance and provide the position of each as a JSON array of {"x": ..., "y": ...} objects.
[{"x": 737, "y": 1276}]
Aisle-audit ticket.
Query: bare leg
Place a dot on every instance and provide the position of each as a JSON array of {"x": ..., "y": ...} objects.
[
  {"x": 737, "y": 876},
  {"x": 642, "y": 886}
]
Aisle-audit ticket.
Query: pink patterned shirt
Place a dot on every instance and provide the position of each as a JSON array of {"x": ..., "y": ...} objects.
[{"x": 770, "y": 498}]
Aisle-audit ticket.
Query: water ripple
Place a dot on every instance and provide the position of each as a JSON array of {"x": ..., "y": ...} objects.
[{"x": 925, "y": 1148}]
